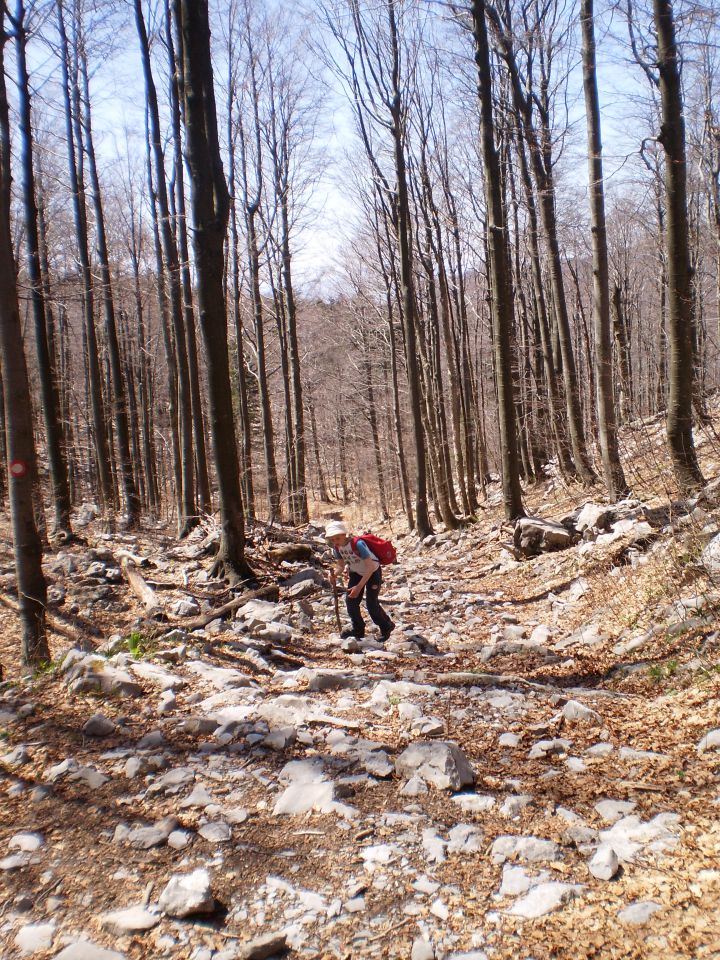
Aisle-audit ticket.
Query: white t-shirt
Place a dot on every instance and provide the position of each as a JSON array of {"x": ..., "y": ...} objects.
[{"x": 356, "y": 560}]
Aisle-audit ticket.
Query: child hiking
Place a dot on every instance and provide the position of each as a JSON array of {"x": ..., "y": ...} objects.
[{"x": 364, "y": 576}]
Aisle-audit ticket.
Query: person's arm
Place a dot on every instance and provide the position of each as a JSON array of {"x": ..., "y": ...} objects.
[{"x": 337, "y": 569}]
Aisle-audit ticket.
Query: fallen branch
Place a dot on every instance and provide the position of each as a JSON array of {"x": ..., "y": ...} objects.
[
  {"x": 468, "y": 679},
  {"x": 491, "y": 680},
  {"x": 53, "y": 626},
  {"x": 144, "y": 593},
  {"x": 197, "y": 623}
]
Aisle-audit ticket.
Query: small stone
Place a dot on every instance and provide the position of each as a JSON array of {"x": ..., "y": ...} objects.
[
  {"x": 23, "y": 903},
  {"x": 441, "y": 764},
  {"x": 151, "y": 741},
  {"x": 378, "y": 764},
  {"x": 35, "y": 937},
  {"x": 17, "y": 757},
  {"x": 422, "y": 950},
  {"x": 356, "y": 905},
  {"x": 439, "y": 909},
  {"x": 508, "y": 740},
  {"x": 638, "y": 914},
  {"x": 179, "y": 839},
  {"x": 261, "y": 948},
  {"x": 15, "y": 862},
  {"x": 604, "y": 864},
  {"x": 86, "y": 950},
  {"x": 26, "y": 842},
  {"x": 475, "y": 802},
  {"x": 144, "y": 838},
  {"x": 415, "y": 787},
  {"x": 188, "y": 894},
  {"x": 198, "y": 798},
  {"x": 613, "y": 810},
  {"x": 711, "y": 741},
  {"x": 513, "y": 806},
  {"x": 531, "y": 849},
  {"x": 544, "y": 898},
  {"x": 304, "y": 797},
  {"x": 99, "y": 726},
  {"x": 135, "y": 919},
  {"x": 185, "y": 608},
  {"x": 167, "y": 702},
  {"x": 218, "y": 832},
  {"x": 465, "y": 838}
]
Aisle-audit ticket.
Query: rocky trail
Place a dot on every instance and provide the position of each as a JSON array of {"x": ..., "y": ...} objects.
[{"x": 529, "y": 767}]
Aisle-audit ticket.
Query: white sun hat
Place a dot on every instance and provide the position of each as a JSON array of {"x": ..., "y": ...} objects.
[{"x": 335, "y": 529}]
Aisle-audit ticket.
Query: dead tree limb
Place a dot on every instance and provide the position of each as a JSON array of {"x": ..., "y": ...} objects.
[
  {"x": 197, "y": 623},
  {"x": 144, "y": 593}
]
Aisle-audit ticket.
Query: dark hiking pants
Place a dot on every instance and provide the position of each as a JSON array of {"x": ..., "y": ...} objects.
[{"x": 372, "y": 600}]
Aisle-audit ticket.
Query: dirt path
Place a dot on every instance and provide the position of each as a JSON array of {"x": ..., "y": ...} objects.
[{"x": 295, "y": 791}]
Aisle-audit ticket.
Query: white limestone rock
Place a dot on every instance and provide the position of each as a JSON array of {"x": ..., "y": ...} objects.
[
  {"x": 440, "y": 763},
  {"x": 188, "y": 894}
]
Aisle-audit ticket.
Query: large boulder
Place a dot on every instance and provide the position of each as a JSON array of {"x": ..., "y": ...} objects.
[
  {"x": 439, "y": 763},
  {"x": 534, "y": 536},
  {"x": 291, "y": 552},
  {"x": 594, "y": 516},
  {"x": 93, "y": 674}
]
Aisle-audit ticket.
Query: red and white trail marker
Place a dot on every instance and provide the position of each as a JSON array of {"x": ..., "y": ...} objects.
[{"x": 18, "y": 469}]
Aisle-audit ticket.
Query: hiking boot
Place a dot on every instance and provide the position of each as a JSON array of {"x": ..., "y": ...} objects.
[
  {"x": 351, "y": 632},
  {"x": 385, "y": 634}
]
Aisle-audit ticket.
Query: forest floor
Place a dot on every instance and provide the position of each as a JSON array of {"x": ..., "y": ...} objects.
[{"x": 578, "y": 685}]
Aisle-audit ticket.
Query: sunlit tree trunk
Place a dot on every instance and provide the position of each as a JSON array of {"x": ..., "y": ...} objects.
[{"x": 20, "y": 465}]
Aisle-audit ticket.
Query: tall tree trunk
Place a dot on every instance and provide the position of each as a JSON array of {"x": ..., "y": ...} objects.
[
  {"x": 672, "y": 137},
  {"x": 77, "y": 189},
  {"x": 119, "y": 393},
  {"x": 21, "y": 465},
  {"x": 422, "y": 518},
  {"x": 211, "y": 208},
  {"x": 187, "y": 517},
  {"x": 3, "y": 443},
  {"x": 251, "y": 205},
  {"x": 49, "y": 396},
  {"x": 246, "y": 475},
  {"x": 542, "y": 169},
  {"x": 373, "y": 420},
  {"x": 501, "y": 295},
  {"x": 323, "y": 495},
  {"x": 198, "y": 422},
  {"x": 169, "y": 347},
  {"x": 300, "y": 503}
]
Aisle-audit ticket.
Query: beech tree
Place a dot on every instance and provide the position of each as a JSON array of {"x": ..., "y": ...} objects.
[
  {"x": 20, "y": 459},
  {"x": 210, "y": 210},
  {"x": 501, "y": 303},
  {"x": 614, "y": 476}
]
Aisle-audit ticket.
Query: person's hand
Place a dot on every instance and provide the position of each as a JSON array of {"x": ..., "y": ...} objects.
[
  {"x": 333, "y": 577},
  {"x": 355, "y": 592}
]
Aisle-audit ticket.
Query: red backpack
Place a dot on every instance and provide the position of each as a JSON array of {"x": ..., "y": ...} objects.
[{"x": 383, "y": 549}]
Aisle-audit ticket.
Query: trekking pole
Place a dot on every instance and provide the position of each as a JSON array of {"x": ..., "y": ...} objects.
[{"x": 337, "y": 605}]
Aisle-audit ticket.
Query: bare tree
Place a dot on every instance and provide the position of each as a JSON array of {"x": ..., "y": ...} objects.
[
  {"x": 501, "y": 297},
  {"x": 21, "y": 463},
  {"x": 50, "y": 399},
  {"x": 211, "y": 208},
  {"x": 614, "y": 476}
]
